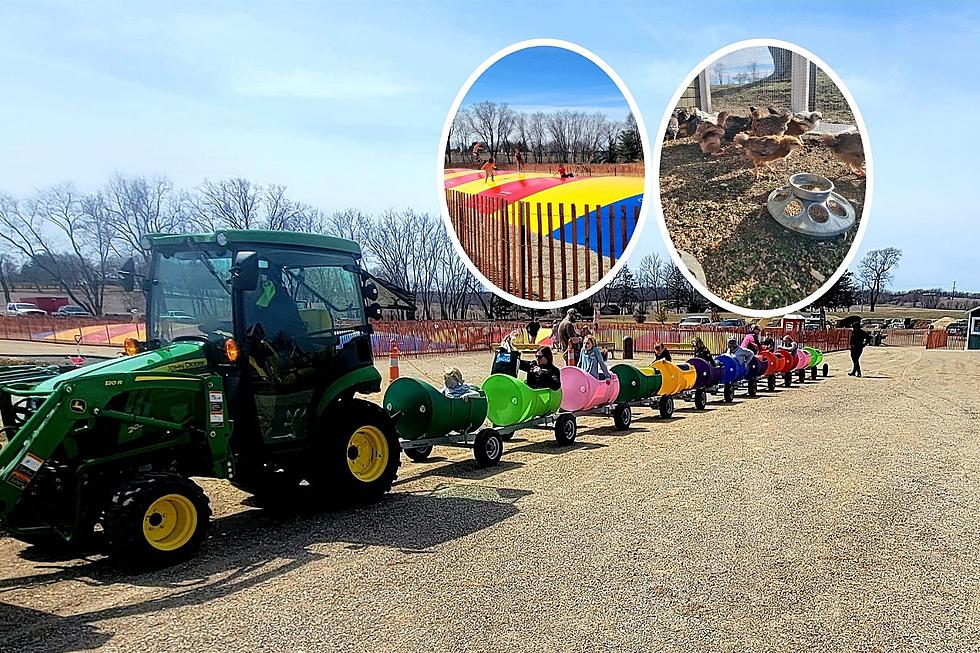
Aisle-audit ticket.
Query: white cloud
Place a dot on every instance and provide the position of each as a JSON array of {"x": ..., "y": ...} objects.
[{"x": 310, "y": 84}]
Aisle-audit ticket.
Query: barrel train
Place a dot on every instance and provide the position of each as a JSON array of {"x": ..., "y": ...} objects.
[{"x": 425, "y": 417}]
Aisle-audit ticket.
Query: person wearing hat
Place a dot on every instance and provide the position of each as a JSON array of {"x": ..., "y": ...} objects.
[
  {"x": 569, "y": 338},
  {"x": 857, "y": 341},
  {"x": 739, "y": 353}
]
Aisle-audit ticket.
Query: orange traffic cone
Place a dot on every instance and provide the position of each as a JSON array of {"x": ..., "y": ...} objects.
[{"x": 393, "y": 362}]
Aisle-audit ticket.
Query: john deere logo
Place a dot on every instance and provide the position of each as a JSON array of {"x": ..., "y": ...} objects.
[{"x": 78, "y": 405}]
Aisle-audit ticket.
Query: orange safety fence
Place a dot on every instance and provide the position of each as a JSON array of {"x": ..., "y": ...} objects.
[{"x": 454, "y": 336}]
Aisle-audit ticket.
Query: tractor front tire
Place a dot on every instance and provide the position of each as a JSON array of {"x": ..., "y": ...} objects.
[
  {"x": 157, "y": 519},
  {"x": 357, "y": 457}
]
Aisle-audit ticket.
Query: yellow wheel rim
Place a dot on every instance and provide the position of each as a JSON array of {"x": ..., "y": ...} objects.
[
  {"x": 170, "y": 522},
  {"x": 367, "y": 453}
]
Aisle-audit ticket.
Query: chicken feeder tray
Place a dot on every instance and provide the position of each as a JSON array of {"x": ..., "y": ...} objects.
[{"x": 809, "y": 206}]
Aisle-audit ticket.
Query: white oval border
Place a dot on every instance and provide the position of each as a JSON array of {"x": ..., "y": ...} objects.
[
  {"x": 647, "y": 177},
  {"x": 868, "y": 194}
]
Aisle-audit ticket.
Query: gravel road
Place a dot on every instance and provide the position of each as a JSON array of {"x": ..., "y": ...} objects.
[{"x": 837, "y": 516}]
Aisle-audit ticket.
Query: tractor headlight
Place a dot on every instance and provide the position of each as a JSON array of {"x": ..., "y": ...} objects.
[{"x": 231, "y": 350}]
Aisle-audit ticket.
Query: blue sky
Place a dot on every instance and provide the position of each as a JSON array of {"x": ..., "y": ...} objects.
[
  {"x": 549, "y": 79},
  {"x": 344, "y": 102}
]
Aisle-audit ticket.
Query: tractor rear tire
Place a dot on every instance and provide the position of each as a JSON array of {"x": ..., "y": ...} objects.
[
  {"x": 565, "y": 429},
  {"x": 622, "y": 416},
  {"x": 156, "y": 520},
  {"x": 488, "y": 448},
  {"x": 357, "y": 457},
  {"x": 420, "y": 454}
]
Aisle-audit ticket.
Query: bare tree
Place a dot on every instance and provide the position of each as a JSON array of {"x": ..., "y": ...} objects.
[
  {"x": 137, "y": 206},
  {"x": 65, "y": 234},
  {"x": 718, "y": 71},
  {"x": 232, "y": 203},
  {"x": 491, "y": 122},
  {"x": 537, "y": 132},
  {"x": 876, "y": 271},
  {"x": 649, "y": 275}
]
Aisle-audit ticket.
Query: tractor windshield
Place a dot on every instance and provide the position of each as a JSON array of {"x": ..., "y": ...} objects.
[
  {"x": 190, "y": 296},
  {"x": 310, "y": 299}
]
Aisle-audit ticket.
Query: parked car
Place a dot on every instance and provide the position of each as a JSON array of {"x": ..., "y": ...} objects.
[
  {"x": 695, "y": 321},
  {"x": 732, "y": 323},
  {"x": 69, "y": 310},
  {"x": 177, "y": 316},
  {"x": 957, "y": 328},
  {"x": 23, "y": 309}
]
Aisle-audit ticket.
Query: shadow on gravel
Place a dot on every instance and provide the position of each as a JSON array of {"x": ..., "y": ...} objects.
[
  {"x": 248, "y": 549},
  {"x": 552, "y": 447},
  {"x": 462, "y": 469}
]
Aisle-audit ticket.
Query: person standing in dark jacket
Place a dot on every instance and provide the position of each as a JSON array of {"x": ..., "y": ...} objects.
[
  {"x": 858, "y": 340},
  {"x": 541, "y": 372},
  {"x": 661, "y": 352}
]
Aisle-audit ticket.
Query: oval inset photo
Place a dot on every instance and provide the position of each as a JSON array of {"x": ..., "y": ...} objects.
[
  {"x": 764, "y": 177},
  {"x": 542, "y": 171}
]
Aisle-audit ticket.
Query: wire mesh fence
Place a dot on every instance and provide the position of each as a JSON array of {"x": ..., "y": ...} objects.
[
  {"x": 826, "y": 97},
  {"x": 769, "y": 76},
  {"x": 756, "y": 76}
]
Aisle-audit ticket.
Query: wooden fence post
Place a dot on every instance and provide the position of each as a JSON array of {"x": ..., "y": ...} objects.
[
  {"x": 523, "y": 266},
  {"x": 564, "y": 271},
  {"x": 588, "y": 249},
  {"x": 551, "y": 254},
  {"x": 540, "y": 254},
  {"x": 574, "y": 251},
  {"x": 612, "y": 236}
]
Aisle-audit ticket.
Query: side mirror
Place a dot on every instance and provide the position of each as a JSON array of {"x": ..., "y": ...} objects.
[
  {"x": 369, "y": 292},
  {"x": 128, "y": 274},
  {"x": 374, "y": 311},
  {"x": 245, "y": 273}
]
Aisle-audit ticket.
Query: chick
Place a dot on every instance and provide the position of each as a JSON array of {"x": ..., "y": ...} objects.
[
  {"x": 769, "y": 125},
  {"x": 803, "y": 122},
  {"x": 709, "y": 135},
  {"x": 735, "y": 125},
  {"x": 764, "y": 149},
  {"x": 691, "y": 126},
  {"x": 673, "y": 127},
  {"x": 849, "y": 148}
]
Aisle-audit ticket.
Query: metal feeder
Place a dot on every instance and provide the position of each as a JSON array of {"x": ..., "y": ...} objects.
[{"x": 810, "y": 207}]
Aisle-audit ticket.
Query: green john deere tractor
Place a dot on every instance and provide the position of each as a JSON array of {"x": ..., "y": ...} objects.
[{"x": 258, "y": 344}]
